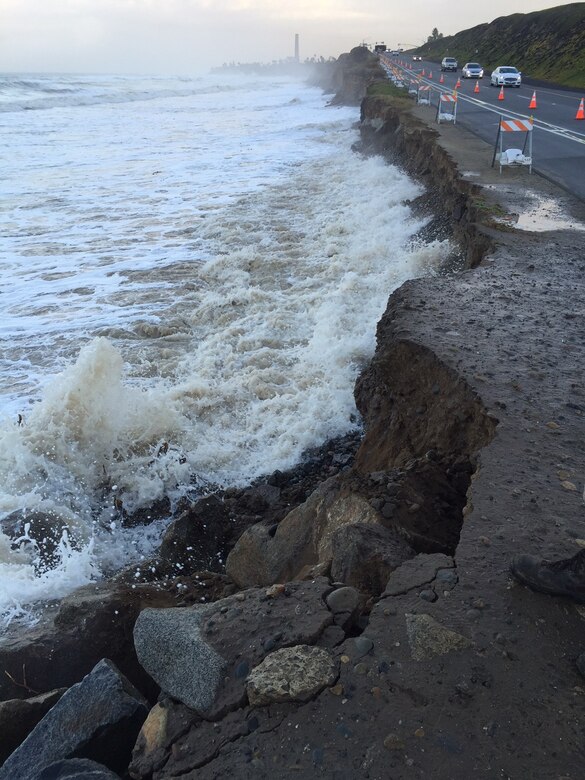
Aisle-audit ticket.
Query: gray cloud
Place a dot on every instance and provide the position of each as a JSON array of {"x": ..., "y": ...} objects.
[{"x": 186, "y": 36}]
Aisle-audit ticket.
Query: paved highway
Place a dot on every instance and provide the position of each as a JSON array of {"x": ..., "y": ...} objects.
[{"x": 558, "y": 138}]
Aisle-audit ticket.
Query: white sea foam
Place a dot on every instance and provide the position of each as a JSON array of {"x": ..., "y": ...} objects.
[{"x": 191, "y": 286}]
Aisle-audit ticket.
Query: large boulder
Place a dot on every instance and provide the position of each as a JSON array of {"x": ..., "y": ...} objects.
[
  {"x": 364, "y": 556},
  {"x": 98, "y": 718},
  {"x": 264, "y": 556},
  {"x": 202, "y": 655}
]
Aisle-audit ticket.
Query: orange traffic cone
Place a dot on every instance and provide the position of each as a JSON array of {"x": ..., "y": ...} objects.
[
  {"x": 476, "y": 88},
  {"x": 430, "y": 74},
  {"x": 423, "y": 72},
  {"x": 532, "y": 103},
  {"x": 441, "y": 80},
  {"x": 501, "y": 95},
  {"x": 581, "y": 110},
  {"x": 458, "y": 84}
]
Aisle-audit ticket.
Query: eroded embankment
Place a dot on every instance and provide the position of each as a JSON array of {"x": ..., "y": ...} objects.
[
  {"x": 423, "y": 424},
  {"x": 390, "y": 129}
]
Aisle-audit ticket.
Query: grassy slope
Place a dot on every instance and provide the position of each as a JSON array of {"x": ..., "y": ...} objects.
[{"x": 547, "y": 45}]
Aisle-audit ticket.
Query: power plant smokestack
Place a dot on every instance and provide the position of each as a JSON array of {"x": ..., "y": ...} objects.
[{"x": 296, "y": 47}]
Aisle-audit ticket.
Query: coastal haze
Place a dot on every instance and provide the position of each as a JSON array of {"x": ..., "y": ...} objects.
[{"x": 187, "y": 36}]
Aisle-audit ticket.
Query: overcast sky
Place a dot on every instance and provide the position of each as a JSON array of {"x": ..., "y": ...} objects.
[{"x": 188, "y": 36}]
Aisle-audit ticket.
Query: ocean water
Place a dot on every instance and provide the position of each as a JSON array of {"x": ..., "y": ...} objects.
[{"x": 191, "y": 272}]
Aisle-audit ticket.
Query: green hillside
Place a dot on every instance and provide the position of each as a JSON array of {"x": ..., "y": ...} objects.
[{"x": 547, "y": 45}]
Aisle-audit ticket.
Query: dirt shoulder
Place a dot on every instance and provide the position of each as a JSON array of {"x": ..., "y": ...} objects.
[{"x": 512, "y": 329}]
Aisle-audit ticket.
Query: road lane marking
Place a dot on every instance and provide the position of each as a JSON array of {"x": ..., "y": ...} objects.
[{"x": 548, "y": 127}]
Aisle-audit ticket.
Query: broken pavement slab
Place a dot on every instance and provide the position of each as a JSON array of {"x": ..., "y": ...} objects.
[{"x": 416, "y": 572}]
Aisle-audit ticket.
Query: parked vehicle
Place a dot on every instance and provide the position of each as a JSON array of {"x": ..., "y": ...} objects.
[
  {"x": 472, "y": 70},
  {"x": 417, "y": 57},
  {"x": 506, "y": 76},
  {"x": 449, "y": 63}
]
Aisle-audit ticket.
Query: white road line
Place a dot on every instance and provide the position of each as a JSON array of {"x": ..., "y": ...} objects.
[{"x": 547, "y": 127}]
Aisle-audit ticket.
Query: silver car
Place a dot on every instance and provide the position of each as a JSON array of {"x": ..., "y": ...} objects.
[
  {"x": 472, "y": 70},
  {"x": 506, "y": 76}
]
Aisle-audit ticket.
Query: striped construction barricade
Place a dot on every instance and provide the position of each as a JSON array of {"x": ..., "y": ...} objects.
[
  {"x": 423, "y": 96},
  {"x": 413, "y": 88},
  {"x": 513, "y": 155},
  {"x": 447, "y": 108}
]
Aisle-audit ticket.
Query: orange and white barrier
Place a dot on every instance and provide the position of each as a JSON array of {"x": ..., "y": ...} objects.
[
  {"x": 447, "y": 108},
  {"x": 423, "y": 96},
  {"x": 516, "y": 125},
  {"x": 514, "y": 156}
]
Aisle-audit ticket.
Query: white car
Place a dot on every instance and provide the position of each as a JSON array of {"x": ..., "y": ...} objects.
[
  {"x": 506, "y": 76},
  {"x": 472, "y": 70},
  {"x": 449, "y": 63}
]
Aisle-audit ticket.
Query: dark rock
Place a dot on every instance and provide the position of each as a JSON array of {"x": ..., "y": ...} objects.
[
  {"x": 345, "y": 599},
  {"x": 365, "y": 555},
  {"x": 302, "y": 539},
  {"x": 197, "y": 538},
  {"x": 94, "y": 622},
  {"x": 167, "y": 721},
  {"x": 145, "y": 515},
  {"x": 41, "y": 530},
  {"x": 76, "y": 769},
  {"x": 98, "y": 718},
  {"x": 331, "y": 637},
  {"x": 18, "y": 717},
  {"x": 359, "y": 646},
  {"x": 446, "y": 578}
]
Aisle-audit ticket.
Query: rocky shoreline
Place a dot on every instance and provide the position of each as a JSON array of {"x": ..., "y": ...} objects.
[{"x": 354, "y": 617}]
